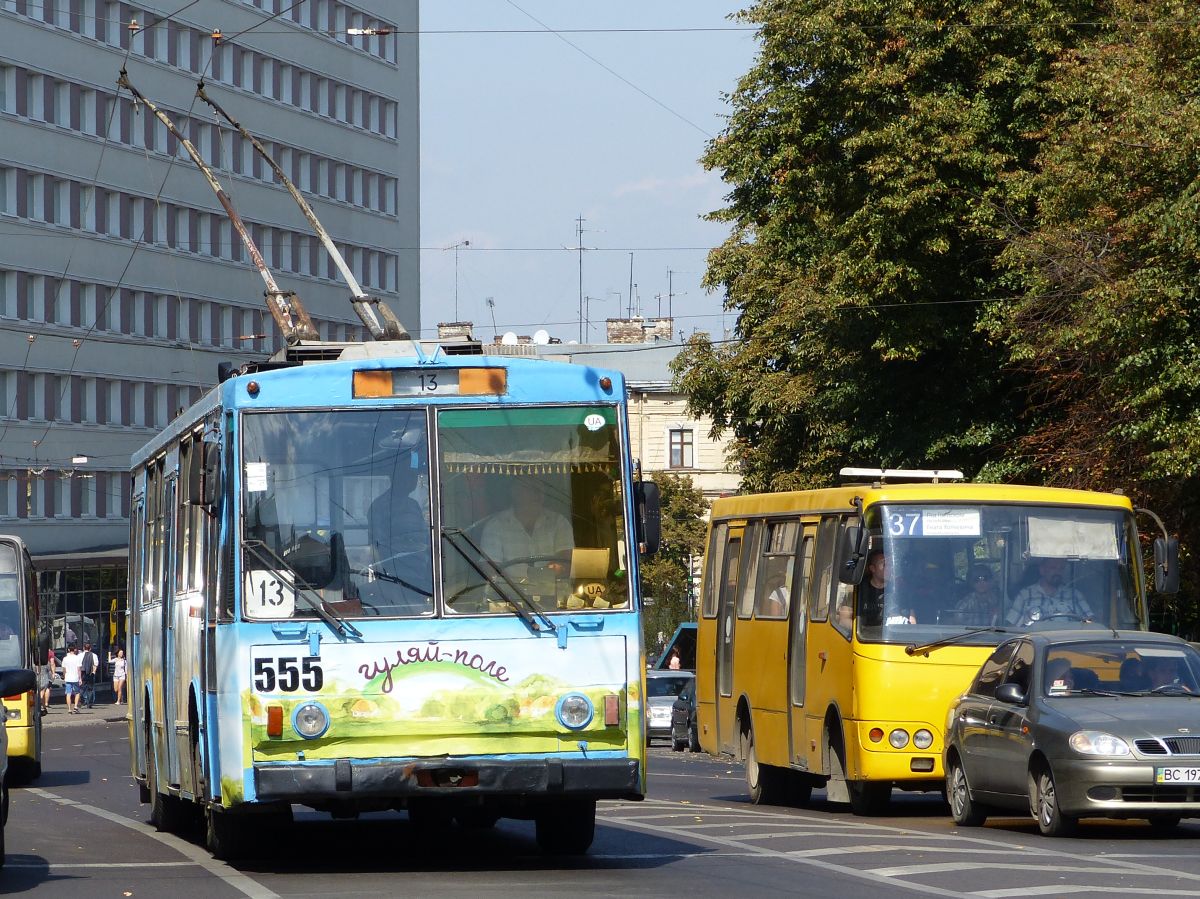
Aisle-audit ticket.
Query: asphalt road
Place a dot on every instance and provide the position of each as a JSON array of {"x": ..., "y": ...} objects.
[{"x": 81, "y": 831}]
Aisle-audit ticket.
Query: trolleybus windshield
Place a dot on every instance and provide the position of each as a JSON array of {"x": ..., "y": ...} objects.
[{"x": 337, "y": 513}]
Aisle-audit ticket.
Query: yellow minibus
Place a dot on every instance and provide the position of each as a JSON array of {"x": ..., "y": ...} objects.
[{"x": 836, "y": 626}]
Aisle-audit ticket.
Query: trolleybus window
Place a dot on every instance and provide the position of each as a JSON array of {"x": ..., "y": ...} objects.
[{"x": 532, "y": 510}]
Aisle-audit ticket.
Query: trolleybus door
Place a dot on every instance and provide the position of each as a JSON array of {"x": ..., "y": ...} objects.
[
  {"x": 798, "y": 646},
  {"x": 726, "y": 625},
  {"x": 167, "y": 592}
]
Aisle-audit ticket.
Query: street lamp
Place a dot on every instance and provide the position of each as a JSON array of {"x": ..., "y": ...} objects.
[{"x": 456, "y": 247}]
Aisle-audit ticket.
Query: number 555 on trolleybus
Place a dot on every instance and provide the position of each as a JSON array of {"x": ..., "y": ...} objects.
[{"x": 365, "y": 577}]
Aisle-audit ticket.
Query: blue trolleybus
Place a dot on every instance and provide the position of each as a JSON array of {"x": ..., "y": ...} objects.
[{"x": 370, "y": 576}]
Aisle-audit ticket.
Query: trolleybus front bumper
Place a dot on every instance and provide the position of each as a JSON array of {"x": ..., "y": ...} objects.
[{"x": 513, "y": 778}]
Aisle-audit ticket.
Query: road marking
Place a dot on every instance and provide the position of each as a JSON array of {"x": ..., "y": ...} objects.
[
  {"x": 194, "y": 854},
  {"x": 968, "y": 845},
  {"x": 763, "y": 852},
  {"x": 63, "y": 866},
  {"x": 1059, "y": 890}
]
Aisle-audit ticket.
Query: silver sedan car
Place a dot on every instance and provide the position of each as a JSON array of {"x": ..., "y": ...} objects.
[
  {"x": 1078, "y": 724},
  {"x": 662, "y": 688}
]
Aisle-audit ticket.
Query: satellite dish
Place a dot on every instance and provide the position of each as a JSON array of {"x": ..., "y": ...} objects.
[
  {"x": 541, "y": 337},
  {"x": 509, "y": 338}
]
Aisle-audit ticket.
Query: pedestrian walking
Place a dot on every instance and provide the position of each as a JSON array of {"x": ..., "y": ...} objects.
[
  {"x": 87, "y": 669},
  {"x": 119, "y": 666},
  {"x": 72, "y": 665}
]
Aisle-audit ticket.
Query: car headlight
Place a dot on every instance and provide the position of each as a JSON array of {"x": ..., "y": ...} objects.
[
  {"x": 574, "y": 711},
  {"x": 898, "y": 738},
  {"x": 922, "y": 739},
  {"x": 310, "y": 720},
  {"x": 1094, "y": 742}
]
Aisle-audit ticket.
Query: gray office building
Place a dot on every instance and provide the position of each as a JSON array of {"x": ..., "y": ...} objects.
[{"x": 122, "y": 282}]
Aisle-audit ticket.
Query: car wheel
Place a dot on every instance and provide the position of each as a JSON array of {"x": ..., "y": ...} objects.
[
  {"x": 964, "y": 809},
  {"x": 1043, "y": 800},
  {"x": 693, "y": 738},
  {"x": 677, "y": 745}
]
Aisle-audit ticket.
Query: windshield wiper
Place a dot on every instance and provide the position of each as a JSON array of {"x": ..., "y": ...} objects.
[
  {"x": 268, "y": 557},
  {"x": 526, "y": 608},
  {"x": 912, "y": 649}
]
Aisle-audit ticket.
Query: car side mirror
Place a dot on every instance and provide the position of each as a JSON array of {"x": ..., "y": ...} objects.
[{"x": 1010, "y": 693}]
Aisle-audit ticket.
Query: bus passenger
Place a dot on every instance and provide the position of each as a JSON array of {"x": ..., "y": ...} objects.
[
  {"x": 876, "y": 605},
  {"x": 981, "y": 606}
]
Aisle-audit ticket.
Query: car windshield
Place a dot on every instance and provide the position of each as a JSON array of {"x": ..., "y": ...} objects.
[
  {"x": 1122, "y": 667},
  {"x": 532, "y": 510},
  {"x": 659, "y": 687},
  {"x": 971, "y": 572}
]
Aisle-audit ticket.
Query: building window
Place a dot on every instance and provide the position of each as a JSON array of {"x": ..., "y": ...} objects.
[{"x": 681, "y": 448}]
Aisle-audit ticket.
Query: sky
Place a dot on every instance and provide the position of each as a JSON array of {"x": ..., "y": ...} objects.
[{"x": 523, "y": 133}]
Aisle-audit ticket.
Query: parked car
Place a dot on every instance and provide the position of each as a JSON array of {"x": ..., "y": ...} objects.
[
  {"x": 683, "y": 721},
  {"x": 12, "y": 682},
  {"x": 662, "y": 687},
  {"x": 1075, "y": 724}
]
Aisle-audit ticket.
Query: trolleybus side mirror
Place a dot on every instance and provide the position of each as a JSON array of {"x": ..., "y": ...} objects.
[
  {"x": 649, "y": 516},
  {"x": 855, "y": 543},
  {"x": 212, "y": 476},
  {"x": 1166, "y": 565}
]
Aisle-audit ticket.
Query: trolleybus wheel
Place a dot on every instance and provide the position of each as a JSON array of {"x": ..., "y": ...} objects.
[
  {"x": 225, "y": 834},
  {"x": 566, "y": 828}
]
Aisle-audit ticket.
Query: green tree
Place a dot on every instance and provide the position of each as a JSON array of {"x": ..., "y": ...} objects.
[
  {"x": 666, "y": 576},
  {"x": 871, "y": 154},
  {"x": 1105, "y": 322}
]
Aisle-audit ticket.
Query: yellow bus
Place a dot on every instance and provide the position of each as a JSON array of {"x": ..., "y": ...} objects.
[
  {"x": 20, "y": 647},
  {"x": 836, "y": 626}
]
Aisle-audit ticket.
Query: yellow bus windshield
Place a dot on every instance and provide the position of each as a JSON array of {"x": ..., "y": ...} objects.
[{"x": 938, "y": 570}]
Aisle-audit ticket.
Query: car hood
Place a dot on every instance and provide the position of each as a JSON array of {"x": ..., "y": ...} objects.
[
  {"x": 660, "y": 702},
  {"x": 1132, "y": 716}
]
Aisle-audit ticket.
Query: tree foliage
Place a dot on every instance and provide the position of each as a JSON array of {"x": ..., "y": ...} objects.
[
  {"x": 666, "y": 576},
  {"x": 964, "y": 235},
  {"x": 870, "y": 151}
]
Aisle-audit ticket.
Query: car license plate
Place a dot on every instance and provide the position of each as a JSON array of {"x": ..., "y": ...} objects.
[{"x": 1177, "y": 775}]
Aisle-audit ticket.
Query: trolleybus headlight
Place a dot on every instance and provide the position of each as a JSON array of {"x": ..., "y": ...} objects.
[
  {"x": 310, "y": 720},
  {"x": 574, "y": 711},
  {"x": 898, "y": 738},
  {"x": 922, "y": 739}
]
